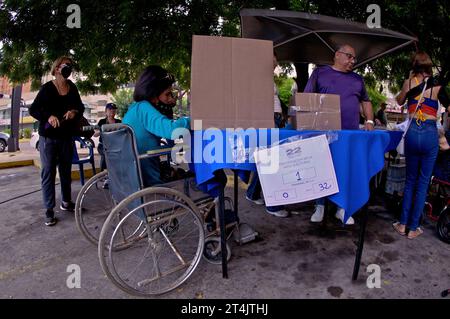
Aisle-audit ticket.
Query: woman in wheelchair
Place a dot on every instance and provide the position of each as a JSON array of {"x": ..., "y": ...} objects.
[{"x": 154, "y": 87}]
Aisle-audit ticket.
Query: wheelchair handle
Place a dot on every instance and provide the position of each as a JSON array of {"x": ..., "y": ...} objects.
[
  {"x": 88, "y": 128},
  {"x": 161, "y": 151}
]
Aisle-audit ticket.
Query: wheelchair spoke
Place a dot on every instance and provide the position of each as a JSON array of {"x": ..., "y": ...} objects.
[
  {"x": 171, "y": 245},
  {"x": 144, "y": 257},
  {"x": 186, "y": 236}
]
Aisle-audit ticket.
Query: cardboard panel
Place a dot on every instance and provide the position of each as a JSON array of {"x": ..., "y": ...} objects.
[{"x": 232, "y": 82}]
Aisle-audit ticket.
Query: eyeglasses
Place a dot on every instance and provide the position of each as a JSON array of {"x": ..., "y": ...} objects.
[{"x": 349, "y": 56}]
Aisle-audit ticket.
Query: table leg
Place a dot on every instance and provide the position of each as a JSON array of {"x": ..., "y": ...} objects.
[
  {"x": 362, "y": 234},
  {"x": 236, "y": 189},
  {"x": 223, "y": 240}
]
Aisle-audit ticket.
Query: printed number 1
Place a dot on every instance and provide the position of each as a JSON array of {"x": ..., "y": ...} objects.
[{"x": 298, "y": 176}]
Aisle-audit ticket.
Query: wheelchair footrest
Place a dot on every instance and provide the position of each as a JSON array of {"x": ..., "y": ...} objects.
[{"x": 245, "y": 234}]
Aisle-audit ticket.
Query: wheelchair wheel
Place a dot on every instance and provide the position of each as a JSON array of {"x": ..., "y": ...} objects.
[
  {"x": 93, "y": 204},
  {"x": 212, "y": 252},
  {"x": 443, "y": 226},
  {"x": 160, "y": 255}
]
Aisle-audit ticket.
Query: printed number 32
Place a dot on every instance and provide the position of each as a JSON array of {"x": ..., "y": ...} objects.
[{"x": 324, "y": 186}]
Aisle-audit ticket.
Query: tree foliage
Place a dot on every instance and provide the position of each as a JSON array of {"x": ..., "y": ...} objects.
[
  {"x": 284, "y": 85},
  {"x": 427, "y": 20},
  {"x": 122, "y": 98},
  {"x": 118, "y": 38},
  {"x": 375, "y": 97}
]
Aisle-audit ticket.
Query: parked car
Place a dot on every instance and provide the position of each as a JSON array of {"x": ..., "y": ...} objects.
[
  {"x": 3, "y": 141},
  {"x": 34, "y": 141}
]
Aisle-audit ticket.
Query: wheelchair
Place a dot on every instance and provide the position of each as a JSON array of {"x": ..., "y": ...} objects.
[
  {"x": 150, "y": 240},
  {"x": 93, "y": 204},
  {"x": 437, "y": 207}
]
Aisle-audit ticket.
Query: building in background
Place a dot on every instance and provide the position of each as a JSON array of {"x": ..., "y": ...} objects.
[{"x": 94, "y": 105}]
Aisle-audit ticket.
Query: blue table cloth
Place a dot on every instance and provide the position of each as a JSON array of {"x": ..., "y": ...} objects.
[{"x": 357, "y": 157}]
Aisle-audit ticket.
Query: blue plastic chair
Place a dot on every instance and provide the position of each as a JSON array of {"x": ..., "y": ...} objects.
[{"x": 83, "y": 160}]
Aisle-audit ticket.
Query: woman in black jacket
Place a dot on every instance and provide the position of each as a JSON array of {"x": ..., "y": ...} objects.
[{"x": 58, "y": 108}]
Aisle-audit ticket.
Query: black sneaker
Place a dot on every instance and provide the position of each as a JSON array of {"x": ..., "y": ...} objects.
[
  {"x": 50, "y": 221},
  {"x": 70, "y": 206}
]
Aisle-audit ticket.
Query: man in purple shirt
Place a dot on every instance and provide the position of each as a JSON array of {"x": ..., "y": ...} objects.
[{"x": 340, "y": 79}]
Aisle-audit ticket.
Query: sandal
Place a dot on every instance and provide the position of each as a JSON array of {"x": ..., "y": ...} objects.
[
  {"x": 397, "y": 228},
  {"x": 415, "y": 233}
]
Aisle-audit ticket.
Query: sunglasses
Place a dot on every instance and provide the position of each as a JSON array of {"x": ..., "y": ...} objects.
[
  {"x": 349, "y": 56},
  {"x": 169, "y": 77}
]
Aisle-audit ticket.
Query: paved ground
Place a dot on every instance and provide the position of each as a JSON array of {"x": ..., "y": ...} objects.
[{"x": 294, "y": 259}]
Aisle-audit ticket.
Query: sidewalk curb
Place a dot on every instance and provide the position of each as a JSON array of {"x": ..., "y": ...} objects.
[
  {"x": 19, "y": 163},
  {"x": 88, "y": 172}
]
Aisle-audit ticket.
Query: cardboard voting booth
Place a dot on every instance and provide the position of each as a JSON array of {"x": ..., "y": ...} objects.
[
  {"x": 296, "y": 171},
  {"x": 315, "y": 111},
  {"x": 232, "y": 82}
]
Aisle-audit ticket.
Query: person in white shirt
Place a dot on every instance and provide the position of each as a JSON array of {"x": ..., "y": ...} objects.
[{"x": 254, "y": 190}]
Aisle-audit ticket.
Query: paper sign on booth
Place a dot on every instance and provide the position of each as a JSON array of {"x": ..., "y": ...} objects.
[{"x": 297, "y": 171}]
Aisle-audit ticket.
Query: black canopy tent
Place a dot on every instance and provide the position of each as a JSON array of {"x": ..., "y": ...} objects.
[{"x": 312, "y": 38}]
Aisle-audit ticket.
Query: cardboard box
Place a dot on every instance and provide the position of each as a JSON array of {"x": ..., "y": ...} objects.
[
  {"x": 321, "y": 121},
  {"x": 232, "y": 82},
  {"x": 316, "y": 102},
  {"x": 314, "y": 111}
]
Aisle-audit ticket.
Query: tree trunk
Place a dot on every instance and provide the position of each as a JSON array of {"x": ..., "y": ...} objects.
[{"x": 16, "y": 98}]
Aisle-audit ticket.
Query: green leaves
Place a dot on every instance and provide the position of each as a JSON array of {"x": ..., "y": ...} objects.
[
  {"x": 123, "y": 98},
  {"x": 116, "y": 41},
  {"x": 119, "y": 38}
]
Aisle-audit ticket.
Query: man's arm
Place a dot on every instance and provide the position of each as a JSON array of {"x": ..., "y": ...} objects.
[
  {"x": 368, "y": 113},
  {"x": 367, "y": 108}
]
